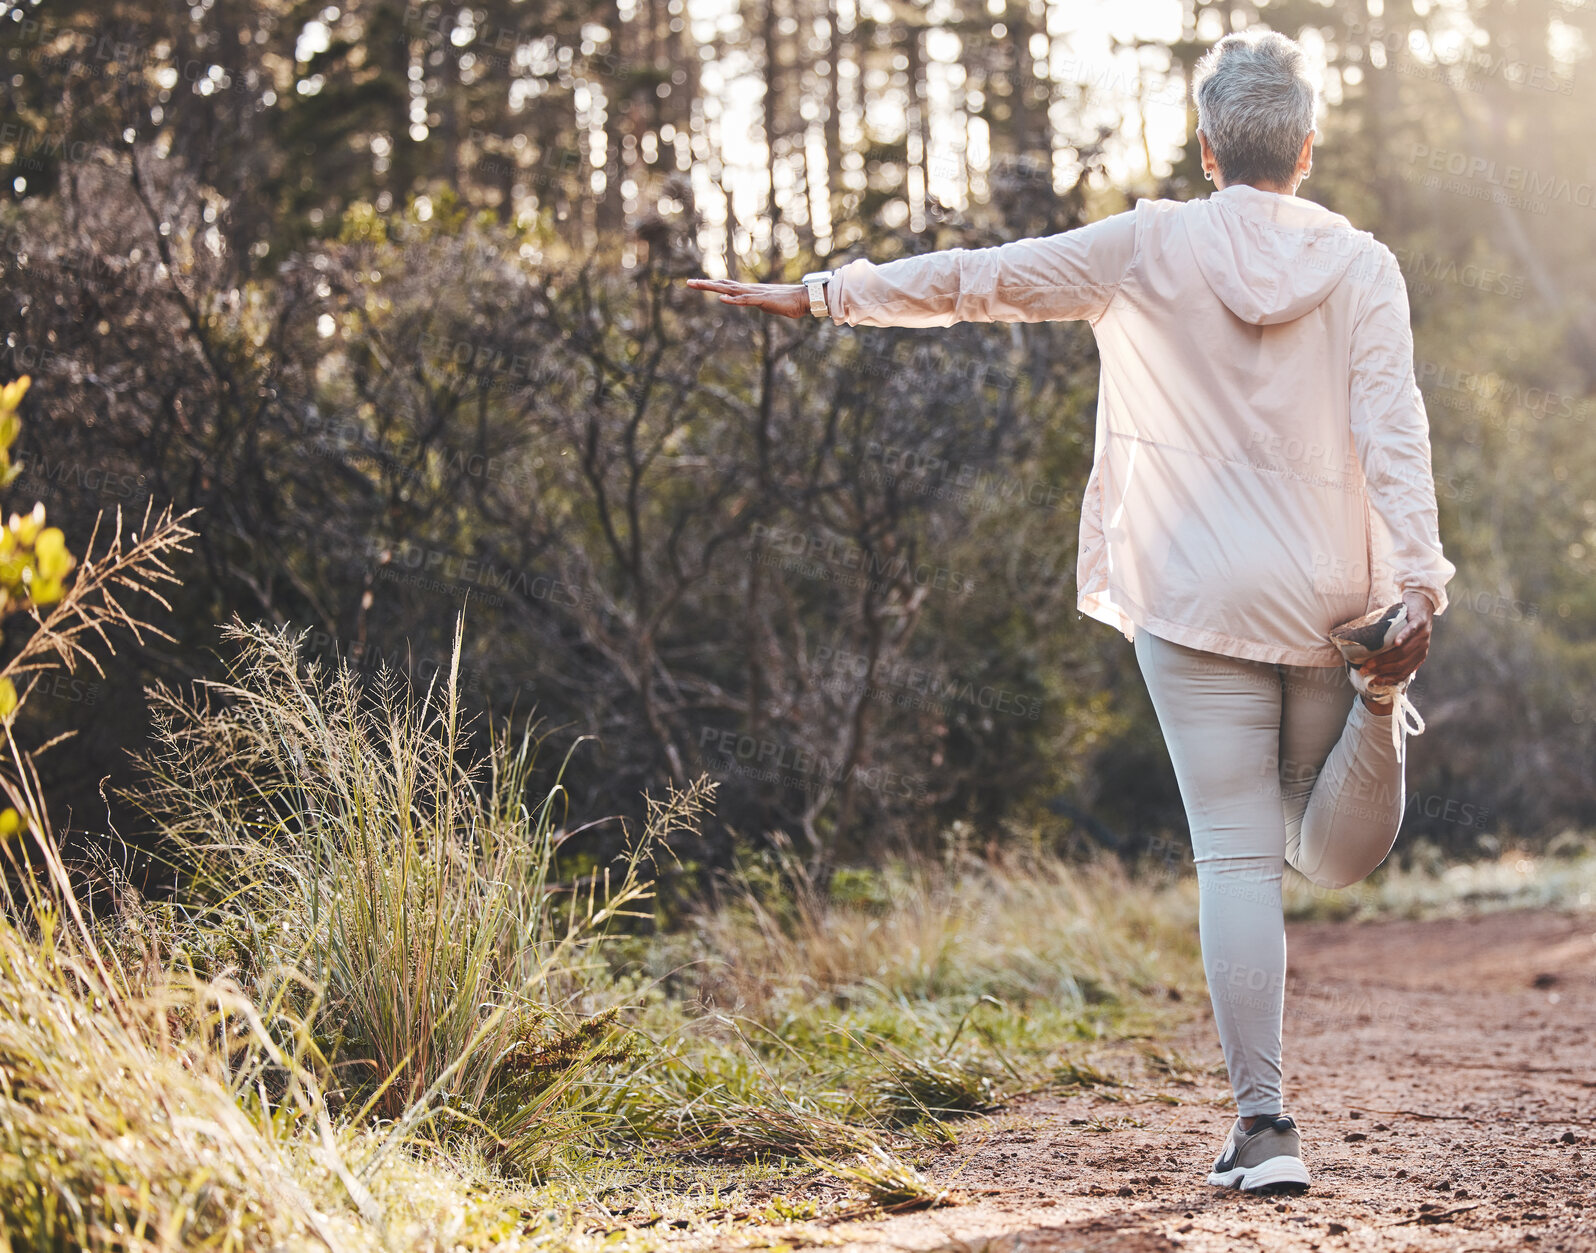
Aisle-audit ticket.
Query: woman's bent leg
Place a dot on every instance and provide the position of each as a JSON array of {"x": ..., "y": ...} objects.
[
  {"x": 1341, "y": 782},
  {"x": 1221, "y": 722}
]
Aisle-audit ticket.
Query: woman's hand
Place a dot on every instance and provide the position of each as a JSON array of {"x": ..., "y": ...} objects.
[
  {"x": 788, "y": 299},
  {"x": 1411, "y": 646}
]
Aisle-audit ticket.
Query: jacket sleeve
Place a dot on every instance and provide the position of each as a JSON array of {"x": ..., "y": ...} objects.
[
  {"x": 1392, "y": 432},
  {"x": 1073, "y": 274}
]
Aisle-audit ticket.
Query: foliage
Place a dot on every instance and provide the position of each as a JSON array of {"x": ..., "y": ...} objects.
[
  {"x": 374, "y": 293},
  {"x": 34, "y": 560}
]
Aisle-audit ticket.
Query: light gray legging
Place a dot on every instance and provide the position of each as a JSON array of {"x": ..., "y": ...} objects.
[{"x": 1275, "y": 763}]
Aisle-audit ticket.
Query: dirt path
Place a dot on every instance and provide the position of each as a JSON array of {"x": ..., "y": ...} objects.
[{"x": 1444, "y": 1076}]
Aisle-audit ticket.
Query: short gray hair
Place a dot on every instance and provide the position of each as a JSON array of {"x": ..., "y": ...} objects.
[{"x": 1255, "y": 104}]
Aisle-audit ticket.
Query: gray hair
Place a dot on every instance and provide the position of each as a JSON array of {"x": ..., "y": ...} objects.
[{"x": 1255, "y": 104}]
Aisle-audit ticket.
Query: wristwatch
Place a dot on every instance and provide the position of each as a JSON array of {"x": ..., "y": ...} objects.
[{"x": 815, "y": 283}]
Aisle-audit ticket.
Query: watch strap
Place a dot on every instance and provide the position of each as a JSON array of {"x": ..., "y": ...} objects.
[{"x": 815, "y": 284}]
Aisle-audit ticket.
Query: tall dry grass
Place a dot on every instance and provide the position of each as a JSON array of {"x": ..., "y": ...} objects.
[
  {"x": 147, "y": 1110},
  {"x": 828, "y": 1023},
  {"x": 128, "y": 1112},
  {"x": 1028, "y": 929},
  {"x": 349, "y": 838},
  {"x": 236, "y": 1070}
]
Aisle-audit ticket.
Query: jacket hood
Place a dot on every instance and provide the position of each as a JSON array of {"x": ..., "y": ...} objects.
[{"x": 1270, "y": 257}]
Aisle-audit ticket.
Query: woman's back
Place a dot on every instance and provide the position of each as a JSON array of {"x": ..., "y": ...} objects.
[
  {"x": 1249, "y": 336},
  {"x": 1262, "y": 464}
]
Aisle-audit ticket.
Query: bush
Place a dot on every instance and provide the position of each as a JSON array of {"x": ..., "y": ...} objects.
[{"x": 345, "y": 838}]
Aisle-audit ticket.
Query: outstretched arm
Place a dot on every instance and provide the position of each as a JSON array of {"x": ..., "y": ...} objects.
[{"x": 1073, "y": 274}]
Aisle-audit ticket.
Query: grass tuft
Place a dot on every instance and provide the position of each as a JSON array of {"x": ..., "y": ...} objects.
[
  {"x": 916, "y": 1088},
  {"x": 887, "y": 1181},
  {"x": 1076, "y": 1075}
]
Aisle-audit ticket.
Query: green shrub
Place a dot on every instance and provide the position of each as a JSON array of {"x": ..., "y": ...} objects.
[{"x": 349, "y": 838}]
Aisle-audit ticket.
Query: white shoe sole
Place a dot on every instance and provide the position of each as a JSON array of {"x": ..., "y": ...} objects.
[{"x": 1274, "y": 1173}]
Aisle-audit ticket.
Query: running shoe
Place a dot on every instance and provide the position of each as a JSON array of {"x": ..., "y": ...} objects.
[
  {"x": 1367, "y": 637},
  {"x": 1266, "y": 1159}
]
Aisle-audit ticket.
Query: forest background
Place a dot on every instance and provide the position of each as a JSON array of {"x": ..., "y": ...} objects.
[{"x": 391, "y": 295}]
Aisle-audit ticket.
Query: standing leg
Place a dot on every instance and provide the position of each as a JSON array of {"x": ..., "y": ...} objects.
[
  {"x": 1341, "y": 781},
  {"x": 1221, "y": 722}
]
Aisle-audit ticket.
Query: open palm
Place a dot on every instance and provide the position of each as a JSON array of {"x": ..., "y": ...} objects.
[{"x": 788, "y": 299}]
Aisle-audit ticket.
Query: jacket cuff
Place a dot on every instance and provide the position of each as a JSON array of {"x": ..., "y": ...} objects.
[
  {"x": 834, "y": 297},
  {"x": 1435, "y": 595}
]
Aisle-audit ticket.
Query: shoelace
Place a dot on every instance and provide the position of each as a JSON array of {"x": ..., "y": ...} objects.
[{"x": 1405, "y": 717}]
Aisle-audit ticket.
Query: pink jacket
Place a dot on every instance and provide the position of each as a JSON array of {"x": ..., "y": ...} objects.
[{"x": 1262, "y": 462}]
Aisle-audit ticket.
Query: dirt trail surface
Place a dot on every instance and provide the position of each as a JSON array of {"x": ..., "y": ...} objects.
[{"x": 1443, "y": 1074}]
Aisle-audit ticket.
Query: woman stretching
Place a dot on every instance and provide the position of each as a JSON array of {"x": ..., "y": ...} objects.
[{"x": 1259, "y": 519}]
